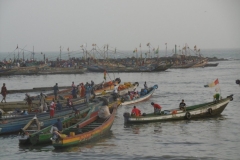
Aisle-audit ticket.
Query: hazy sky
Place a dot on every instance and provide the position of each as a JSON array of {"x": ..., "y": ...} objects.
[{"x": 124, "y": 24}]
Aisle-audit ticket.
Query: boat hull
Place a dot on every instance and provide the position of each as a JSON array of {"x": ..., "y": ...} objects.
[
  {"x": 93, "y": 134},
  {"x": 142, "y": 98},
  {"x": 206, "y": 110}
]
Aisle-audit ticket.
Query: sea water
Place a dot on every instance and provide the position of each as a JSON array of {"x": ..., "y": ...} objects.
[{"x": 208, "y": 138}]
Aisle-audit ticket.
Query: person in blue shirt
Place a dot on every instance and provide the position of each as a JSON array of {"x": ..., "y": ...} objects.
[
  {"x": 88, "y": 93},
  {"x": 74, "y": 92},
  {"x": 55, "y": 91},
  {"x": 59, "y": 125},
  {"x": 59, "y": 105}
]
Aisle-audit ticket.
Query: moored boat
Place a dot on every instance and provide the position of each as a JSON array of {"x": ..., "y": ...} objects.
[
  {"x": 58, "y": 70},
  {"x": 211, "y": 65},
  {"x": 209, "y": 109}
]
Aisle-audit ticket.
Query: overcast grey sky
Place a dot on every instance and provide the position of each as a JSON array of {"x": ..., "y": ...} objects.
[{"x": 124, "y": 24}]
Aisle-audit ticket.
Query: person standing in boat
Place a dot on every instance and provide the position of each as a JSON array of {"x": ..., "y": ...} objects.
[
  {"x": 157, "y": 108},
  {"x": 136, "y": 111},
  {"x": 74, "y": 92},
  {"x": 182, "y": 105},
  {"x": 79, "y": 88},
  {"x": 88, "y": 93},
  {"x": 145, "y": 85},
  {"x": 52, "y": 108},
  {"x": 29, "y": 102},
  {"x": 43, "y": 105},
  {"x": 4, "y": 92},
  {"x": 55, "y": 91},
  {"x": 73, "y": 85},
  {"x": 82, "y": 90},
  {"x": 92, "y": 83}
]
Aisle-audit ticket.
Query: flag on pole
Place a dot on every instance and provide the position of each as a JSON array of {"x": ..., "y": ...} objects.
[
  {"x": 165, "y": 43},
  {"x": 148, "y": 44},
  {"x": 213, "y": 84},
  {"x": 68, "y": 49},
  {"x": 140, "y": 45},
  {"x": 17, "y": 47},
  {"x": 104, "y": 76}
]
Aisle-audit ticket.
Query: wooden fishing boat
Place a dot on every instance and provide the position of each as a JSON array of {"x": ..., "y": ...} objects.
[
  {"x": 61, "y": 70},
  {"x": 14, "y": 124},
  {"x": 200, "y": 63},
  {"x": 32, "y": 126},
  {"x": 91, "y": 129},
  {"x": 44, "y": 135},
  {"x": 181, "y": 66},
  {"x": 211, "y": 65},
  {"x": 209, "y": 109},
  {"x": 6, "y": 72},
  {"x": 25, "y": 70},
  {"x": 146, "y": 68},
  {"x": 64, "y": 94},
  {"x": 141, "y": 98}
]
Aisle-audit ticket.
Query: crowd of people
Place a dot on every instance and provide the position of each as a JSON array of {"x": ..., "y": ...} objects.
[{"x": 85, "y": 91}]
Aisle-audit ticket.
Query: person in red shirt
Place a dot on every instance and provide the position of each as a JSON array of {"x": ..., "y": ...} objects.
[
  {"x": 52, "y": 108},
  {"x": 136, "y": 111},
  {"x": 157, "y": 108}
]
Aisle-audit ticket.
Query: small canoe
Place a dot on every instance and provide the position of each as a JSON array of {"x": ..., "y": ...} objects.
[
  {"x": 93, "y": 128},
  {"x": 209, "y": 109},
  {"x": 141, "y": 98}
]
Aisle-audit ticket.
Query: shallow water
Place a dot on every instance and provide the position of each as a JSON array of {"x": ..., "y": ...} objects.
[{"x": 211, "y": 138}]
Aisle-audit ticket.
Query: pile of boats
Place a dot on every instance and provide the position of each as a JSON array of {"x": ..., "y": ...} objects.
[
  {"x": 86, "y": 121},
  {"x": 110, "y": 65}
]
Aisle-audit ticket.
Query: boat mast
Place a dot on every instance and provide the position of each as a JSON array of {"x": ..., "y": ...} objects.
[
  {"x": 166, "y": 49},
  {"x": 107, "y": 51},
  {"x": 33, "y": 53},
  {"x": 60, "y": 53}
]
